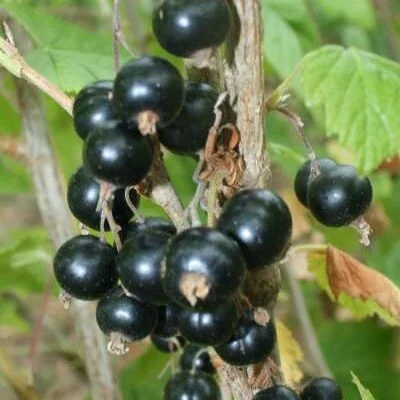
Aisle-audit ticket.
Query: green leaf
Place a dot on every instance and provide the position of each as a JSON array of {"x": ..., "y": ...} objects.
[
  {"x": 365, "y": 394},
  {"x": 9, "y": 316},
  {"x": 357, "y": 96}
]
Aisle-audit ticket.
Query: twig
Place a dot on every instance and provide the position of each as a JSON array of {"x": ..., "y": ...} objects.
[
  {"x": 192, "y": 209},
  {"x": 116, "y": 30}
]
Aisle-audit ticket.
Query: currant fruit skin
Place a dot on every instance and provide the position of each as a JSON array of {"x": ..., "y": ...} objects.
[
  {"x": 167, "y": 345},
  {"x": 168, "y": 319},
  {"x": 208, "y": 256},
  {"x": 117, "y": 155},
  {"x": 260, "y": 222},
  {"x": 187, "y": 386},
  {"x": 338, "y": 197},
  {"x": 211, "y": 326},
  {"x": 188, "y": 133},
  {"x": 302, "y": 181},
  {"x": 250, "y": 344},
  {"x": 276, "y": 392},
  {"x": 191, "y": 359},
  {"x": 322, "y": 389},
  {"x": 85, "y": 267},
  {"x": 127, "y": 316},
  {"x": 149, "y": 84},
  {"x": 184, "y": 27},
  {"x": 83, "y": 196}
]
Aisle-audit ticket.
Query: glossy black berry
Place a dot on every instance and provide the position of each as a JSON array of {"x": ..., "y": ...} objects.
[
  {"x": 203, "y": 267},
  {"x": 148, "y": 84},
  {"x": 188, "y": 133},
  {"x": 139, "y": 266},
  {"x": 338, "y": 196},
  {"x": 192, "y": 386},
  {"x": 250, "y": 344},
  {"x": 196, "y": 358},
  {"x": 260, "y": 222},
  {"x": 83, "y": 196},
  {"x": 183, "y": 27},
  {"x": 168, "y": 319},
  {"x": 211, "y": 326},
  {"x": 322, "y": 389},
  {"x": 277, "y": 392},
  {"x": 302, "y": 180},
  {"x": 126, "y": 316},
  {"x": 85, "y": 267},
  {"x": 117, "y": 155},
  {"x": 167, "y": 345}
]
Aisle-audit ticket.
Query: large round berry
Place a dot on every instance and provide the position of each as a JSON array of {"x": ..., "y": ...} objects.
[
  {"x": 83, "y": 197},
  {"x": 203, "y": 267},
  {"x": 192, "y": 386},
  {"x": 148, "y": 90},
  {"x": 168, "y": 319},
  {"x": 85, "y": 267},
  {"x": 196, "y": 358},
  {"x": 322, "y": 389},
  {"x": 167, "y": 345},
  {"x": 117, "y": 155},
  {"x": 188, "y": 133},
  {"x": 303, "y": 177},
  {"x": 250, "y": 344},
  {"x": 183, "y": 27},
  {"x": 260, "y": 222},
  {"x": 211, "y": 326},
  {"x": 338, "y": 196},
  {"x": 126, "y": 316},
  {"x": 139, "y": 266},
  {"x": 277, "y": 392}
]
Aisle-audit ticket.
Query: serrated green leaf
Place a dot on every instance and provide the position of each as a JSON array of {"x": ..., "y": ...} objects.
[
  {"x": 317, "y": 266},
  {"x": 364, "y": 393}
]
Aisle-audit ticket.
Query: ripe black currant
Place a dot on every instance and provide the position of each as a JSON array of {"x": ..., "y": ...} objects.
[
  {"x": 251, "y": 343},
  {"x": 83, "y": 197},
  {"x": 277, "y": 392},
  {"x": 193, "y": 358},
  {"x": 302, "y": 180},
  {"x": 211, "y": 326},
  {"x": 203, "y": 267},
  {"x": 338, "y": 196},
  {"x": 168, "y": 318},
  {"x": 167, "y": 345},
  {"x": 148, "y": 91},
  {"x": 117, "y": 155},
  {"x": 85, "y": 267},
  {"x": 322, "y": 389},
  {"x": 188, "y": 133},
  {"x": 260, "y": 222},
  {"x": 92, "y": 107},
  {"x": 192, "y": 386},
  {"x": 184, "y": 27}
]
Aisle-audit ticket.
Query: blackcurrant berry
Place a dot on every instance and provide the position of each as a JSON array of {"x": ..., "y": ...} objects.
[
  {"x": 303, "y": 177},
  {"x": 168, "y": 319},
  {"x": 92, "y": 107},
  {"x": 212, "y": 326},
  {"x": 139, "y": 266},
  {"x": 250, "y": 344},
  {"x": 322, "y": 389},
  {"x": 83, "y": 197},
  {"x": 192, "y": 386},
  {"x": 188, "y": 133},
  {"x": 260, "y": 222},
  {"x": 167, "y": 345},
  {"x": 338, "y": 196},
  {"x": 183, "y": 27},
  {"x": 85, "y": 267},
  {"x": 203, "y": 267},
  {"x": 148, "y": 91},
  {"x": 117, "y": 155},
  {"x": 196, "y": 358},
  {"x": 277, "y": 392}
]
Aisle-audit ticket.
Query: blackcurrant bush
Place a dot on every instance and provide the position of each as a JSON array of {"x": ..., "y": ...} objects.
[
  {"x": 211, "y": 326},
  {"x": 183, "y": 27},
  {"x": 196, "y": 358},
  {"x": 250, "y": 344},
  {"x": 203, "y": 267},
  {"x": 83, "y": 196},
  {"x": 139, "y": 266},
  {"x": 322, "y": 389},
  {"x": 303, "y": 177},
  {"x": 167, "y": 345},
  {"x": 192, "y": 386},
  {"x": 168, "y": 319},
  {"x": 338, "y": 196},
  {"x": 85, "y": 267},
  {"x": 277, "y": 392},
  {"x": 188, "y": 133},
  {"x": 148, "y": 91},
  {"x": 117, "y": 155},
  {"x": 260, "y": 222},
  {"x": 92, "y": 107}
]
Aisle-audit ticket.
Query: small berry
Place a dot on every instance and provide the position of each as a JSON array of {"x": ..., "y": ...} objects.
[
  {"x": 276, "y": 392},
  {"x": 193, "y": 358},
  {"x": 167, "y": 345},
  {"x": 322, "y": 389},
  {"x": 168, "y": 319}
]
